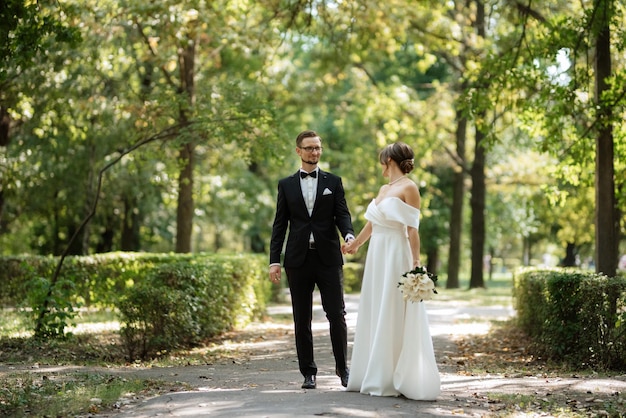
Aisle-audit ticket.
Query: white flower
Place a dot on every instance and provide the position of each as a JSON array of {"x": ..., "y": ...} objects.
[{"x": 417, "y": 285}]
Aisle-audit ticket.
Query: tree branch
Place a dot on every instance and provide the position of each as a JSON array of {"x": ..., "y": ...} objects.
[
  {"x": 165, "y": 134},
  {"x": 166, "y": 74}
]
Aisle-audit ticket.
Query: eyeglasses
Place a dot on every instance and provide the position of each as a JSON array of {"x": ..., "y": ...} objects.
[{"x": 312, "y": 149}]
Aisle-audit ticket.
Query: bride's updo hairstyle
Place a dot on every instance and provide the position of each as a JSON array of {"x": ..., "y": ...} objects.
[{"x": 401, "y": 153}]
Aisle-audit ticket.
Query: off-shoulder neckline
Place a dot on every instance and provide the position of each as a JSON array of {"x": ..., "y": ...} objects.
[{"x": 392, "y": 197}]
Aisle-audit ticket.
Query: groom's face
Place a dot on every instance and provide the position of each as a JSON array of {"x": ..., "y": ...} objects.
[{"x": 310, "y": 150}]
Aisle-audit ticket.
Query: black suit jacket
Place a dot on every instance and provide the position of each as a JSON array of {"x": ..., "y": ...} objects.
[{"x": 330, "y": 214}]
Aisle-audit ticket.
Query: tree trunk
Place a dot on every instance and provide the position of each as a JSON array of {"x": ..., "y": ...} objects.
[
  {"x": 526, "y": 251},
  {"x": 107, "y": 236},
  {"x": 185, "y": 210},
  {"x": 489, "y": 262},
  {"x": 90, "y": 187},
  {"x": 130, "y": 240},
  {"x": 184, "y": 213},
  {"x": 433, "y": 259},
  {"x": 456, "y": 212},
  {"x": 75, "y": 246},
  {"x": 478, "y": 182},
  {"x": 2, "y": 223},
  {"x": 217, "y": 243},
  {"x": 5, "y": 124},
  {"x": 606, "y": 216},
  {"x": 570, "y": 256},
  {"x": 477, "y": 203},
  {"x": 257, "y": 243}
]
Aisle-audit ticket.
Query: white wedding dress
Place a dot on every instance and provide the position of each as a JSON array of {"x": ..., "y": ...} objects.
[{"x": 393, "y": 351}]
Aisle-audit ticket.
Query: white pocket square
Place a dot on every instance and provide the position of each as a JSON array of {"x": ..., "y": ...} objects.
[{"x": 326, "y": 192}]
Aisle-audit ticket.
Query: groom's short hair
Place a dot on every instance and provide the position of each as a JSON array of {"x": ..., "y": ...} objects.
[{"x": 306, "y": 134}]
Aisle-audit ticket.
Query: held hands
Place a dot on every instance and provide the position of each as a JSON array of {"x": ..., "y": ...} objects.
[{"x": 350, "y": 247}]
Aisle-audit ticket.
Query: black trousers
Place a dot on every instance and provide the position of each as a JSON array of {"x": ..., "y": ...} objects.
[{"x": 329, "y": 281}]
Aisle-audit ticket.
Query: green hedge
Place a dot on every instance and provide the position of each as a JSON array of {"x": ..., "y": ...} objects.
[
  {"x": 98, "y": 279},
  {"x": 183, "y": 303},
  {"x": 165, "y": 300},
  {"x": 573, "y": 316}
]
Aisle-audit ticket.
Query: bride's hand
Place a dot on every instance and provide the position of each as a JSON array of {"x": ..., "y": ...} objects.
[
  {"x": 350, "y": 247},
  {"x": 354, "y": 247}
]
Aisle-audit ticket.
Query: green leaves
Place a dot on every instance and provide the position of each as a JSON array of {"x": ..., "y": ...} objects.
[
  {"x": 27, "y": 29},
  {"x": 53, "y": 308},
  {"x": 361, "y": 74}
]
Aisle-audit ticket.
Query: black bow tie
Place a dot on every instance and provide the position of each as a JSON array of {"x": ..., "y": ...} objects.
[{"x": 303, "y": 174}]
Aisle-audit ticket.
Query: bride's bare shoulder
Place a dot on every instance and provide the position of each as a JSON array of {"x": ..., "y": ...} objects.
[{"x": 411, "y": 194}]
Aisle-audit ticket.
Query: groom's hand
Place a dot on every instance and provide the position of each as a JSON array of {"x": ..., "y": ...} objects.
[
  {"x": 349, "y": 247},
  {"x": 275, "y": 273}
]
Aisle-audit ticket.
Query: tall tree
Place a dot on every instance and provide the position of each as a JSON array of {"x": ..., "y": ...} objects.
[
  {"x": 477, "y": 171},
  {"x": 606, "y": 219},
  {"x": 457, "y": 204},
  {"x": 185, "y": 209},
  {"x": 573, "y": 105}
]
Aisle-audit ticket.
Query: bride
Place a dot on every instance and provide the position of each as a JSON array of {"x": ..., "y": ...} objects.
[{"x": 393, "y": 352}]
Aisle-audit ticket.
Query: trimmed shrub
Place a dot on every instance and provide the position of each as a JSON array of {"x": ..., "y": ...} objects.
[
  {"x": 573, "y": 316},
  {"x": 184, "y": 303},
  {"x": 98, "y": 279},
  {"x": 166, "y": 300}
]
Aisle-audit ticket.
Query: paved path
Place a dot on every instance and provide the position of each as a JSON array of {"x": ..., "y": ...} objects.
[{"x": 267, "y": 383}]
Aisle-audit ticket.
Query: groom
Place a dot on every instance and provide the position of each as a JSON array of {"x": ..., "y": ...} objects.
[{"x": 312, "y": 205}]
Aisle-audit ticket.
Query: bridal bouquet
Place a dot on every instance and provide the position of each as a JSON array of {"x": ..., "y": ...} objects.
[{"x": 418, "y": 285}]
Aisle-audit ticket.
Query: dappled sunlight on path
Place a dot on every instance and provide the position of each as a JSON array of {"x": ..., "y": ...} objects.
[{"x": 254, "y": 373}]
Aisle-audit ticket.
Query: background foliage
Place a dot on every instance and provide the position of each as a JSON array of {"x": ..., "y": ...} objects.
[{"x": 222, "y": 88}]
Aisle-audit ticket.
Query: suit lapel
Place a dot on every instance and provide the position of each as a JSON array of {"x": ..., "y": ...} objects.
[{"x": 297, "y": 186}]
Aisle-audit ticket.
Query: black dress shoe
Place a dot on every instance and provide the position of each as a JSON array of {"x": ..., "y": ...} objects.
[
  {"x": 344, "y": 377},
  {"x": 309, "y": 382}
]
